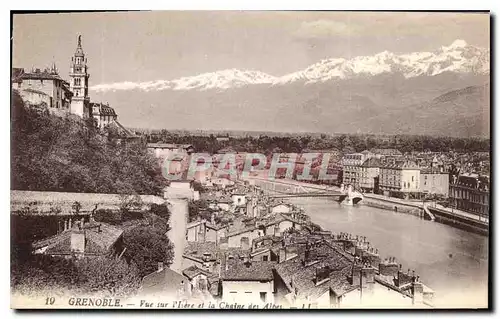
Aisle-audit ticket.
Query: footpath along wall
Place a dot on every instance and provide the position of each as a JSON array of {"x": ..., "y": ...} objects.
[{"x": 412, "y": 209}]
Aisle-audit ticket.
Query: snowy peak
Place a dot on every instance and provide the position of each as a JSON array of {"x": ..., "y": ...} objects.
[
  {"x": 224, "y": 79},
  {"x": 457, "y": 44},
  {"x": 459, "y": 57}
]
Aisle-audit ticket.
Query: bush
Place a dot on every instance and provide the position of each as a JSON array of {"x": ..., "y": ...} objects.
[
  {"x": 146, "y": 246},
  {"x": 106, "y": 276},
  {"x": 161, "y": 211},
  {"x": 109, "y": 276},
  {"x": 197, "y": 209}
]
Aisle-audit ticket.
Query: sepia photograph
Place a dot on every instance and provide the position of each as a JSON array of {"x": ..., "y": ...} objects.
[{"x": 240, "y": 160}]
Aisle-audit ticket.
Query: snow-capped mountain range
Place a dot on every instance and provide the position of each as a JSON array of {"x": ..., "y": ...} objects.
[{"x": 459, "y": 57}]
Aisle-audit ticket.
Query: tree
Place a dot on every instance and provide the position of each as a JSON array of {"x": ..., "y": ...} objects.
[
  {"x": 146, "y": 246},
  {"x": 197, "y": 209},
  {"x": 161, "y": 211},
  {"x": 51, "y": 153}
]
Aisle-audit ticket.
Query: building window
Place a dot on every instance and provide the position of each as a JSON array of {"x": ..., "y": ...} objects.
[
  {"x": 413, "y": 178},
  {"x": 263, "y": 296},
  {"x": 264, "y": 258}
]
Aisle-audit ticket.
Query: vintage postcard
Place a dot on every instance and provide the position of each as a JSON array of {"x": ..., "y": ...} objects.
[{"x": 250, "y": 160}]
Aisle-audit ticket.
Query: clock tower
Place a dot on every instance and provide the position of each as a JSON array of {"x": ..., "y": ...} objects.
[{"x": 79, "y": 82}]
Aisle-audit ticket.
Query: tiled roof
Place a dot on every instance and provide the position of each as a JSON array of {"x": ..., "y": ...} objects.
[
  {"x": 165, "y": 281},
  {"x": 272, "y": 238},
  {"x": 103, "y": 109},
  {"x": 248, "y": 271},
  {"x": 372, "y": 162},
  {"x": 194, "y": 271},
  {"x": 200, "y": 250},
  {"x": 241, "y": 231},
  {"x": 98, "y": 240},
  {"x": 40, "y": 75},
  {"x": 300, "y": 278},
  {"x": 401, "y": 165}
]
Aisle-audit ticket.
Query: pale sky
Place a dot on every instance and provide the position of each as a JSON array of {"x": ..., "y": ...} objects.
[{"x": 162, "y": 45}]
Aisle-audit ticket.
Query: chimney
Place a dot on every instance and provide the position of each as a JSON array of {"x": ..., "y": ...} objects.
[
  {"x": 245, "y": 243},
  {"x": 368, "y": 274},
  {"x": 160, "y": 266},
  {"x": 223, "y": 243},
  {"x": 388, "y": 268},
  {"x": 282, "y": 254},
  {"x": 356, "y": 273},
  {"x": 417, "y": 291},
  {"x": 322, "y": 275},
  {"x": 247, "y": 261},
  {"x": 78, "y": 241}
]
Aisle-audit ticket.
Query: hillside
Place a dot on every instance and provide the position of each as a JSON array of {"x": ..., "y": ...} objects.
[{"x": 51, "y": 153}]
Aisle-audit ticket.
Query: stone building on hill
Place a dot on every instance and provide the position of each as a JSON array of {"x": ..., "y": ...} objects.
[{"x": 47, "y": 88}]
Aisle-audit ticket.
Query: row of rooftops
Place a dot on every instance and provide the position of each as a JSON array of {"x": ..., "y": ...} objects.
[
  {"x": 20, "y": 74},
  {"x": 171, "y": 146},
  {"x": 314, "y": 265},
  {"x": 472, "y": 181}
]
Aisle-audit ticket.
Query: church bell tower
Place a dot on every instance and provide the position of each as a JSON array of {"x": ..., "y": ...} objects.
[{"x": 79, "y": 83}]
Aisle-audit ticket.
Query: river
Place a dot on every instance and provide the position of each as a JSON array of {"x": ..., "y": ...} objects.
[{"x": 452, "y": 262}]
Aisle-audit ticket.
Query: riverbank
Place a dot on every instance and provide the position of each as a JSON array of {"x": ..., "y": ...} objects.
[
  {"x": 452, "y": 261},
  {"x": 440, "y": 215},
  {"x": 388, "y": 204}
]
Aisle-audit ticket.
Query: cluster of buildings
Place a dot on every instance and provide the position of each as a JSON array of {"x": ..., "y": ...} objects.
[
  {"x": 418, "y": 175},
  {"x": 250, "y": 248},
  {"x": 45, "y": 88}
]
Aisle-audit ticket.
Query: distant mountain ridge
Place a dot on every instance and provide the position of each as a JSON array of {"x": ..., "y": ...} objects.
[{"x": 458, "y": 58}]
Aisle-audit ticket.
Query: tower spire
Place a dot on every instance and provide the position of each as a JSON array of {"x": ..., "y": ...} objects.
[{"x": 79, "y": 49}]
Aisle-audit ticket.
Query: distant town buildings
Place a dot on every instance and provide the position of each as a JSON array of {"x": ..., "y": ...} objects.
[
  {"x": 471, "y": 193},
  {"x": 369, "y": 175},
  {"x": 400, "y": 178},
  {"x": 434, "y": 181},
  {"x": 168, "y": 150}
]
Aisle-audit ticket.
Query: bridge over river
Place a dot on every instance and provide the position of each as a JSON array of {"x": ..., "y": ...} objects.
[{"x": 285, "y": 188}]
